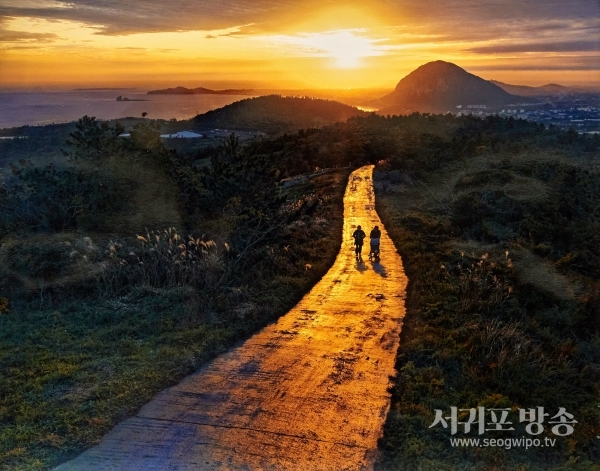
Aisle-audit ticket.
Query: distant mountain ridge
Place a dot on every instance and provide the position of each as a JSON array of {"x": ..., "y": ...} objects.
[
  {"x": 201, "y": 91},
  {"x": 439, "y": 86},
  {"x": 524, "y": 90}
]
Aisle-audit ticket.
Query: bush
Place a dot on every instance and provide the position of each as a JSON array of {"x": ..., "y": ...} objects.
[
  {"x": 49, "y": 199},
  {"x": 167, "y": 260},
  {"x": 3, "y": 305}
]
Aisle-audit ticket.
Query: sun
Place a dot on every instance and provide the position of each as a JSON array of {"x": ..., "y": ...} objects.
[{"x": 347, "y": 48}]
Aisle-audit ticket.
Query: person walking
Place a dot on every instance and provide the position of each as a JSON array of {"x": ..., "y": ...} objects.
[
  {"x": 375, "y": 237},
  {"x": 359, "y": 237}
]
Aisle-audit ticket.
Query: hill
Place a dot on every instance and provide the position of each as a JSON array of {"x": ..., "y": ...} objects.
[
  {"x": 544, "y": 90},
  {"x": 275, "y": 114},
  {"x": 438, "y": 87}
]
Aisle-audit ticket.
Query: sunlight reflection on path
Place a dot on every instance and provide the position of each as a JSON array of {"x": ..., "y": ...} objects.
[{"x": 308, "y": 392}]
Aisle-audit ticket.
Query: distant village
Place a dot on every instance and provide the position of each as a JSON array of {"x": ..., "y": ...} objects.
[{"x": 581, "y": 114}]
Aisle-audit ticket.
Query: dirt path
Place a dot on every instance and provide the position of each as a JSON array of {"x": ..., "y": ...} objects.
[{"x": 306, "y": 393}]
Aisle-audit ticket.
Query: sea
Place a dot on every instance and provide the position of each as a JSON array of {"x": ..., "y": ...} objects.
[{"x": 41, "y": 108}]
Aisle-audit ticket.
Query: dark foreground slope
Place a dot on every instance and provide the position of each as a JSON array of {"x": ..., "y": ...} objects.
[
  {"x": 88, "y": 333},
  {"x": 499, "y": 239},
  {"x": 438, "y": 87},
  {"x": 98, "y": 314}
]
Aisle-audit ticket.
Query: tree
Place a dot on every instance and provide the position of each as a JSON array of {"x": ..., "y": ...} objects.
[
  {"x": 93, "y": 140},
  {"x": 146, "y": 136},
  {"x": 231, "y": 145}
]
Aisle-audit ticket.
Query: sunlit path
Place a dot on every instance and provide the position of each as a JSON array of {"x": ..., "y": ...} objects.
[{"x": 306, "y": 393}]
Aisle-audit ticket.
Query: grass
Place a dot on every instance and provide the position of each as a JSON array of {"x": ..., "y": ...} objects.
[
  {"x": 79, "y": 354},
  {"x": 85, "y": 367},
  {"x": 495, "y": 317}
]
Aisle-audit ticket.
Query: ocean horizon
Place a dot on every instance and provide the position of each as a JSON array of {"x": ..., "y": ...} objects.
[{"x": 53, "y": 107}]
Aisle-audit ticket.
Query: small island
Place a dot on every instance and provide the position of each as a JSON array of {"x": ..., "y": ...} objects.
[
  {"x": 201, "y": 91},
  {"x": 121, "y": 98}
]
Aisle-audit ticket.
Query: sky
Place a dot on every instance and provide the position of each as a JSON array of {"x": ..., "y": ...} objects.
[{"x": 293, "y": 44}]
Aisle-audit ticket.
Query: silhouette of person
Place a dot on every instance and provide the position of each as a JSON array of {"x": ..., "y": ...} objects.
[
  {"x": 359, "y": 237},
  {"x": 375, "y": 237}
]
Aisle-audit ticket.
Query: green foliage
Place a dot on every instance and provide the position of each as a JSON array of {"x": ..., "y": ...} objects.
[
  {"x": 488, "y": 322},
  {"x": 44, "y": 260},
  {"x": 93, "y": 141},
  {"x": 276, "y": 115},
  {"x": 248, "y": 176},
  {"x": 116, "y": 321},
  {"x": 231, "y": 146},
  {"x": 94, "y": 330},
  {"x": 52, "y": 199},
  {"x": 146, "y": 136}
]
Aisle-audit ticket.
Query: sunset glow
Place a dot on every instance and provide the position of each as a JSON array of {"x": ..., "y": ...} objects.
[
  {"x": 345, "y": 48},
  {"x": 267, "y": 44}
]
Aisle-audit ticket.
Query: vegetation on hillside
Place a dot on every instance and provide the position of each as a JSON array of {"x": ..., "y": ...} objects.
[
  {"x": 497, "y": 222},
  {"x": 275, "y": 114},
  {"x": 125, "y": 269},
  {"x": 500, "y": 243},
  {"x": 127, "y": 266}
]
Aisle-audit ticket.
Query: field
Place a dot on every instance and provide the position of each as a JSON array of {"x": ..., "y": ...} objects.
[
  {"x": 125, "y": 264},
  {"x": 111, "y": 291},
  {"x": 501, "y": 250}
]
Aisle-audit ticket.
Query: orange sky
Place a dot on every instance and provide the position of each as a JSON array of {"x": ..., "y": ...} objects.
[{"x": 293, "y": 44}]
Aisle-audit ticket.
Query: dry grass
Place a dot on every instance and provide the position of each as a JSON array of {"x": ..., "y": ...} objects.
[
  {"x": 92, "y": 347},
  {"x": 525, "y": 189},
  {"x": 541, "y": 273},
  {"x": 494, "y": 316}
]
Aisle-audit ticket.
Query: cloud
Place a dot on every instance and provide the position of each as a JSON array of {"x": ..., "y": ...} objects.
[
  {"x": 582, "y": 63},
  {"x": 10, "y": 36},
  {"x": 18, "y": 48},
  {"x": 118, "y": 17},
  {"x": 479, "y": 13},
  {"x": 236, "y": 32},
  {"x": 422, "y": 27},
  {"x": 516, "y": 30},
  {"x": 564, "y": 46}
]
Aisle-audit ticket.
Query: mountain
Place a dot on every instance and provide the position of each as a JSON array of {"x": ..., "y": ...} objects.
[
  {"x": 438, "y": 87},
  {"x": 524, "y": 90},
  {"x": 200, "y": 91},
  {"x": 275, "y": 114}
]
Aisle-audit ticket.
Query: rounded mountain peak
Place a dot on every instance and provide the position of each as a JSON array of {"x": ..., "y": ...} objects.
[
  {"x": 440, "y": 86},
  {"x": 434, "y": 71}
]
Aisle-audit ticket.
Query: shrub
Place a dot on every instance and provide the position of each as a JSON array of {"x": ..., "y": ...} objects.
[
  {"x": 49, "y": 199},
  {"x": 167, "y": 260}
]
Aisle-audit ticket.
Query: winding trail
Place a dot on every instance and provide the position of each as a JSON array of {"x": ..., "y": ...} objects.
[{"x": 308, "y": 392}]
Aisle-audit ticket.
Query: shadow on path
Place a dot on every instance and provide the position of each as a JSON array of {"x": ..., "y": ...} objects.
[{"x": 379, "y": 269}]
